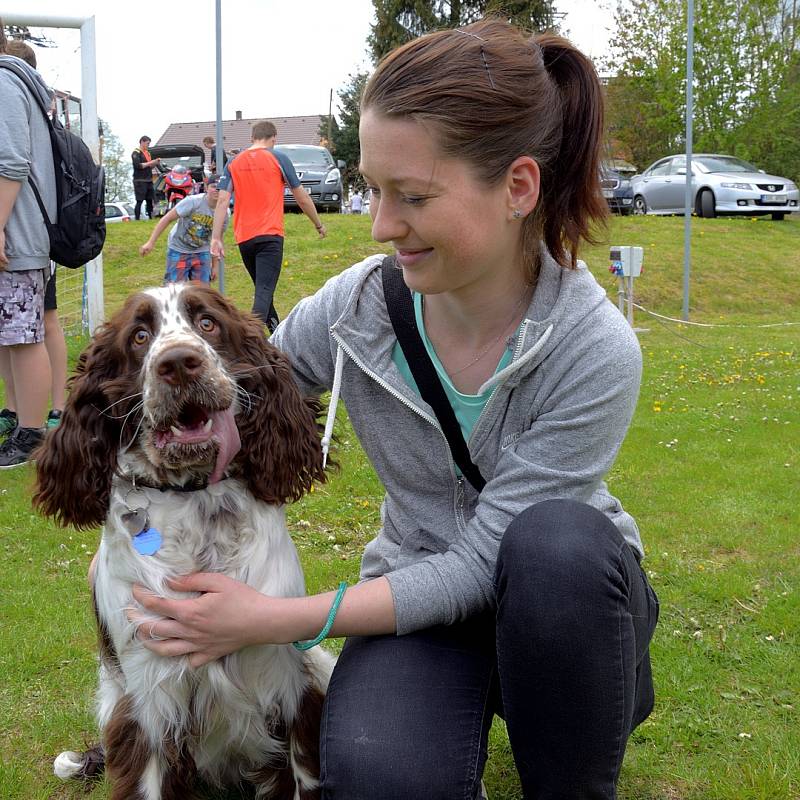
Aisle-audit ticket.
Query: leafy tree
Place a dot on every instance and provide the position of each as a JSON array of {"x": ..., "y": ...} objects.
[
  {"x": 399, "y": 21},
  {"x": 345, "y": 133},
  {"x": 117, "y": 165}
]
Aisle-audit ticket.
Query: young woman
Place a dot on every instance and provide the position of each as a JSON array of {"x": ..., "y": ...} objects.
[{"x": 480, "y": 147}]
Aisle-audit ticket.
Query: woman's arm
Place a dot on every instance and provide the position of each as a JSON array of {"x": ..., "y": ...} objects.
[{"x": 229, "y": 615}]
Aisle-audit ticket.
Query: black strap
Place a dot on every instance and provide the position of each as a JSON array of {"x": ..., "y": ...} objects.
[
  {"x": 401, "y": 312},
  {"x": 37, "y": 98}
]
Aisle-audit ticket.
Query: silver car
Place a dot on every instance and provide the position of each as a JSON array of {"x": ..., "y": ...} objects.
[{"x": 720, "y": 185}]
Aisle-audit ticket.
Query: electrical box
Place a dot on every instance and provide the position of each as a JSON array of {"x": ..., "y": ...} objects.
[{"x": 626, "y": 261}]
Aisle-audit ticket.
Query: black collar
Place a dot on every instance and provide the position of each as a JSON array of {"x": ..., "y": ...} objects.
[{"x": 141, "y": 483}]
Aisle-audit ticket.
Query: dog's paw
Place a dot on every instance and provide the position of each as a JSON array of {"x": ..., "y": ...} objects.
[{"x": 68, "y": 764}]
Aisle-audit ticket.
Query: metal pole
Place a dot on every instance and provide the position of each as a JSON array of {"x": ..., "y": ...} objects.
[
  {"x": 330, "y": 111},
  {"x": 687, "y": 210},
  {"x": 219, "y": 157}
]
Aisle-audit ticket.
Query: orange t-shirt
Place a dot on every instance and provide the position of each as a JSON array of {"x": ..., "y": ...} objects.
[{"x": 257, "y": 178}]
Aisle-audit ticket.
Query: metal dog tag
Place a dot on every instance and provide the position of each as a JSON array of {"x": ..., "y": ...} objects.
[{"x": 136, "y": 521}]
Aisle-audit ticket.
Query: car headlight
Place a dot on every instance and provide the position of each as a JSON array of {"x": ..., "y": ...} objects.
[
  {"x": 334, "y": 176},
  {"x": 745, "y": 186},
  {"x": 790, "y": 186}
]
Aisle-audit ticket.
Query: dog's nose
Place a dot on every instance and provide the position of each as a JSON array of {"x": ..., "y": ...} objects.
[{"x": 179, "y": 365}]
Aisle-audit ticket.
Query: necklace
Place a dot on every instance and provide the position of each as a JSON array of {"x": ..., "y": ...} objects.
[{"x": 494, "y": 341}]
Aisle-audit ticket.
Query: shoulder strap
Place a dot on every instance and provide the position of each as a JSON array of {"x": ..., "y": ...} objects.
[
  {"x": 33, "y": 90},
  {"x": 401, "y": 313}
]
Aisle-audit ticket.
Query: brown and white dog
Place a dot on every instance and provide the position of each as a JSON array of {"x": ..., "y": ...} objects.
[{"x": 185, "y": 434}]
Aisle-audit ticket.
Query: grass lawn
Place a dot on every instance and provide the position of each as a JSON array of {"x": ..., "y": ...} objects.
[{"x": 709, "y": 469}]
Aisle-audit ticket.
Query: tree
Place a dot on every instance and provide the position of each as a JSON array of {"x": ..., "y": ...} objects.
[
  {"x": 345, "y": 133},
  {"x": 117, "y": 165},
  {"x": 399, "y": 21}
]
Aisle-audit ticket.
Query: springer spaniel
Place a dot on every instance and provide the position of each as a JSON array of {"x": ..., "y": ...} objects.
[{"x": 185, "y": 434}]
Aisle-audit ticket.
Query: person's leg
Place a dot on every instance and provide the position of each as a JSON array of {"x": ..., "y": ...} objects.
[
  {"x": 409, "y": 716},
  {"x": 56, "y": 349},
  {"x": 149, "y": 197},
  {"x": 268, "y": 258},
  {"x": 30, "y": 367},
  {"x": 574, "y": 620},
  {"x": 201, "y": 268},
  {"x": 139, "y": 191},
  {"x": 8, "y": 414}
]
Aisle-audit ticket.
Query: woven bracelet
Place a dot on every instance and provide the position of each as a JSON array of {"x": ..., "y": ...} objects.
[{"x": 326, "y": 628}]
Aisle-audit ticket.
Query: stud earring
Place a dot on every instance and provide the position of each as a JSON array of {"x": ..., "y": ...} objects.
[{"x": 516, "y": 213}]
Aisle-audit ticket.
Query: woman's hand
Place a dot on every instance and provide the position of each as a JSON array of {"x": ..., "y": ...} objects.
[{"x": 227, "y": 616}]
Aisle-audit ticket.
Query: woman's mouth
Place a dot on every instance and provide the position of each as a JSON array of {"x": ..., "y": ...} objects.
[{"x": 411, "y": 258}]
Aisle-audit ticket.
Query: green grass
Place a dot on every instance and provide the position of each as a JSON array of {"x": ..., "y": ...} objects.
[{"x": 710, "y": 470}]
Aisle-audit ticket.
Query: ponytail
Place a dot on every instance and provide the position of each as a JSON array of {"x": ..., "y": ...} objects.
[{"x": 571, "y": 196}]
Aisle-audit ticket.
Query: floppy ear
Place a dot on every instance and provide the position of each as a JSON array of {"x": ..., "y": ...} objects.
[
  {"x": 281, "y": 454},
  {"x": 77, "y": 460}
]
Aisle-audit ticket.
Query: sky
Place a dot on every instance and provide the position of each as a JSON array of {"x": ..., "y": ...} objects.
[{"x": 155, "y": 62}]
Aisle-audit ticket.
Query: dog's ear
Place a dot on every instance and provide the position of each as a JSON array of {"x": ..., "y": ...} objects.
[
  {"x": 77, "y": 460},
  {"x": 281, "y": 454}
]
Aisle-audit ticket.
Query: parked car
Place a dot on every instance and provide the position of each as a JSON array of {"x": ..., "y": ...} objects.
[
  {"x": 191, "y": 156},
  {"x": 119, "y": 212},
  {"x": 320, "y": 175},
  {"x": 720, "y": 185},
  {"x": 615, "y": 183}
]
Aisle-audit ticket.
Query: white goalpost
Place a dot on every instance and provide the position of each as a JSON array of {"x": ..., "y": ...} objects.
[{"x": 92, "y": 290}]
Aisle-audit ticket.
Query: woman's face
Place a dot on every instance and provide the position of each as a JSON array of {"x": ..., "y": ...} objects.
[{"x": 450, "y": 231}]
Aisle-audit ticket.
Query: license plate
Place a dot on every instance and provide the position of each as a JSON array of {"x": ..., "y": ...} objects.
[
  {"x": 608, "y": 193},
  {"x": 777, "y": 199}
]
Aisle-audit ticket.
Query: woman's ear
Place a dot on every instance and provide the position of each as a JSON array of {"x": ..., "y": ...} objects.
[{"x": 522, "y": 182}]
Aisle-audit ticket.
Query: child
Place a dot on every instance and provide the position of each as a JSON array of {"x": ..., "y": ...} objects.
[{"x": 188, "y": 256}]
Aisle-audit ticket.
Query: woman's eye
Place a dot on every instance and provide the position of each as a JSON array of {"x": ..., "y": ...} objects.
[
  {"x": 206, "y": 324},
  {"x": 415, "y": 201},
  {"x": 141, "y": 336}
]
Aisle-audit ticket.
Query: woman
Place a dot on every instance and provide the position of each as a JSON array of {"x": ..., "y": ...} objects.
[{"x": 480, "y": 147}]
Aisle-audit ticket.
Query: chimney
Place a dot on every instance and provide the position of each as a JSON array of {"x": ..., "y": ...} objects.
[{"x": 238, "y": 115}]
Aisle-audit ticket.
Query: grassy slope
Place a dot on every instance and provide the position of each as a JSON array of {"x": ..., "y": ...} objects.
[{"x": 709, "y": 469}]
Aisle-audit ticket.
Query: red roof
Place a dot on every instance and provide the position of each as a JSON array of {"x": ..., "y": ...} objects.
[{"x": 236, "y": 132}]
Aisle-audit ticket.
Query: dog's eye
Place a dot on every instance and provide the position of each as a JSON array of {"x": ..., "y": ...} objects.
[
  {"x": 140, "y": 336},
  {"x": 206, "y": 324}
]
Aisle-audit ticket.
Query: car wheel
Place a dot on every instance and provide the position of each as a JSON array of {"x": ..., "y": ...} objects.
[
  {"x": 778, "y": 215},
  {"x": 639, "y": 205},
  {"x": 707, "y": 205}
]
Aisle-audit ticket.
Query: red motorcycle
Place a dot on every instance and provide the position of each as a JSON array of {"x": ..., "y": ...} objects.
[{"x": 178, "y": 184}]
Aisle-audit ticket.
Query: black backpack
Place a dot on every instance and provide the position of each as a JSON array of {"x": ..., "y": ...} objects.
[{"x": 78, "y": 234}]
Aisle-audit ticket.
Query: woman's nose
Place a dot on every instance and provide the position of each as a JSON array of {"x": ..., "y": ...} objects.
[{"x": 387, "y": 222}]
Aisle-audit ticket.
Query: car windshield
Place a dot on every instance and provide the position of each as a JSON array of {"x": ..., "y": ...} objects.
[
  {"x": 310, "y": 156},
  {"x": 725, "y": 164}
]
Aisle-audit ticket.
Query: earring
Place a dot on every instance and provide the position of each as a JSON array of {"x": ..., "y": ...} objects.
[{"x": 516, "y": 213}]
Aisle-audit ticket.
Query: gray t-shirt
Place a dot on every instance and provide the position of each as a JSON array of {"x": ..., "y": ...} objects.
[{"x": 192, "y": 232}]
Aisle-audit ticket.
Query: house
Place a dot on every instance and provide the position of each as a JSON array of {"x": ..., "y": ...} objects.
[{"x": 236, "y": 132}]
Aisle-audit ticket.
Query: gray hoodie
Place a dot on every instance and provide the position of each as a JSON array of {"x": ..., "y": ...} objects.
[
  {"x": 551, "y": 429},
  {"x": 24, "y": 152}
]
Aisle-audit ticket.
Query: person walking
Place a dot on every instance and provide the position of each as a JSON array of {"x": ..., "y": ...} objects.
[
  {"x": 26, "y": 157},
  {"x": 143, "y": 190},
  {"x": 258, "y": 176},
  {"x": 521, "y": 594}
]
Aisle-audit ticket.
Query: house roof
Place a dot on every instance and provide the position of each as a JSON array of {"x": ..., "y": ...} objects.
[{"x": 236, "y": 132}]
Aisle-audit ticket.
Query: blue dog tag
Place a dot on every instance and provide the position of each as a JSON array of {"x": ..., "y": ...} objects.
[{"x": 148, "y": 542}]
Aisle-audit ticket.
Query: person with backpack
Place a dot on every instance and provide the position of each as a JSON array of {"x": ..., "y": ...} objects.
[{"x": 25, "y": 156}]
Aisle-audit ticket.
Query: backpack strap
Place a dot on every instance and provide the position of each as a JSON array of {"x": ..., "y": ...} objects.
[
  {"x": 16, "y": 69},
  {"x": 401, "y": 313}
]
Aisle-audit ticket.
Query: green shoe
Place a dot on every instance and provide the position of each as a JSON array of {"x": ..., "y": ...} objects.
[
  {"x": 8, "y": 421},
  {"x": 54, "y": 419}
]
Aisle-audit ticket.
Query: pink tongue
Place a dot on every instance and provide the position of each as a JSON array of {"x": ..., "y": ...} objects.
[{"x": 227, "y": 434}]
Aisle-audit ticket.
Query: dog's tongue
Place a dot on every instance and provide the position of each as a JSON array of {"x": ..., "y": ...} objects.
[{"x": 227, "y": 434}]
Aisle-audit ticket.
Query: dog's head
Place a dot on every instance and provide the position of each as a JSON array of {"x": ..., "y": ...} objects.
[{"x": 180, "y": 387}]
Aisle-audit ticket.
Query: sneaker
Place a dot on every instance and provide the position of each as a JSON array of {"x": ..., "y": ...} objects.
[
  {"x": 8, "y": 421},
  {"x": 54, "y": 419},
  {"x": 18, "y": 448}
]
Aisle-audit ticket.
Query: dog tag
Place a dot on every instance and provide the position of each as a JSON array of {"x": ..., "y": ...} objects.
[
  {"x": 148, "y": 542},
  {"x": 136, "y": 521}
]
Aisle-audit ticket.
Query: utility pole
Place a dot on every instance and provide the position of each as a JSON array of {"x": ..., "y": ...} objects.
[{"x": 330, "y": 113}]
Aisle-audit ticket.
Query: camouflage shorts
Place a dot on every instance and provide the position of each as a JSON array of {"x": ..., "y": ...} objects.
[{"x": 22, "y": 306}]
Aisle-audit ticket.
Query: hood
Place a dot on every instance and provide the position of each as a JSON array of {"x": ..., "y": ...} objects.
[
  {"x": 750, "y": 177},
  {"x": 41, "y": 86},
  {"x": 177, "y": 151}
]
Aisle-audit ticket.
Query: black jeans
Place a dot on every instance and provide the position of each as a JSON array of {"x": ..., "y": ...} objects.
[
  {"x": 564, "y": 661},
  {"x": 143, "y": 190},
  {"x": 262, "y": 257}
]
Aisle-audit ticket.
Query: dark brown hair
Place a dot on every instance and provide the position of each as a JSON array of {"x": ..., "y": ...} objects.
[
  {"x": 263, "y": 130},
  {"x": 20, "y": 49},
  {"x": 492, "y": 93}
]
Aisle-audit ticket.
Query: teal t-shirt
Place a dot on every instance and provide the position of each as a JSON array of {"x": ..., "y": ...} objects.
[{"x": 467, "y": 407}]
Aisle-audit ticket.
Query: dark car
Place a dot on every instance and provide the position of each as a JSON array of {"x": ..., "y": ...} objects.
[
  {"x": 191, "y": 156},
  {"x": 615, "y": 183},
  {"x": 320, "y": 175}
]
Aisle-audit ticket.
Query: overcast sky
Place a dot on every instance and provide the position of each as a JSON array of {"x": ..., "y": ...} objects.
[{"x": 155, "y": 61}]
